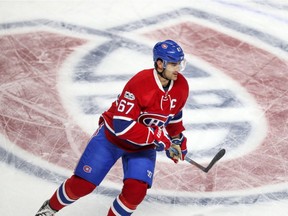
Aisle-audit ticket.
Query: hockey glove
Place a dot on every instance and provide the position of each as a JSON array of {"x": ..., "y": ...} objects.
[
  {"x": 178, "y": 149},
  {"x": 162, "y": 140}
]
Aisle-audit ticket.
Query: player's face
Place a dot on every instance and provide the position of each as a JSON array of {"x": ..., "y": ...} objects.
[{"x": 172, "y": 70}]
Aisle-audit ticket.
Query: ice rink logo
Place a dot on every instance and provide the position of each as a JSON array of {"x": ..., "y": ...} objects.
[{"x": 62, "y": 82}]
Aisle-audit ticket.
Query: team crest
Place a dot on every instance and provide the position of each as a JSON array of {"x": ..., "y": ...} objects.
[{"x": 149, "y": 119}]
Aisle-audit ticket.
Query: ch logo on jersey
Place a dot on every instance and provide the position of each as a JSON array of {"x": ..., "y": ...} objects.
[{"x": 150, "y": 119}]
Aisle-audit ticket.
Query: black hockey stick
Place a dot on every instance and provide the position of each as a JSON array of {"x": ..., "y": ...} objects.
[{"x": 217, "y": 157}]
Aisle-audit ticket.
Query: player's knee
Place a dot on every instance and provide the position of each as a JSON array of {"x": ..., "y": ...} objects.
[
  {"x": 77, "y": 187},
  {"x": 134, "y": 191}
]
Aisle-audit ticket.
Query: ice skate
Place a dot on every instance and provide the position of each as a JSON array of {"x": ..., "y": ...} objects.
[{"x": 46, "y": 210}]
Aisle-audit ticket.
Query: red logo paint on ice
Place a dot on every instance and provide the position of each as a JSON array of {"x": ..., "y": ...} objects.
[
  {"x": 33, "y": 116},
  {"x": 260, "y": 72},
  {"x": 35, "y": 119}
]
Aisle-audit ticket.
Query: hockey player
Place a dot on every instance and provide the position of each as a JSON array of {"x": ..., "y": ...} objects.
[{"x": 145, "y": 118}]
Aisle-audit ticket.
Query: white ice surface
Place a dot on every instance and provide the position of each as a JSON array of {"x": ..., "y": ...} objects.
[{"x": 22, "y": 194}]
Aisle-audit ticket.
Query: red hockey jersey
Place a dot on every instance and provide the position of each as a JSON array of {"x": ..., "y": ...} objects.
[{"x": 142, "y": 104}]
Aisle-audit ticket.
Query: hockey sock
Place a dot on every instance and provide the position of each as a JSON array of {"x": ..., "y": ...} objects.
[
  {"x": 133, "y": 193},
  {"x": 71, "y": 190}
]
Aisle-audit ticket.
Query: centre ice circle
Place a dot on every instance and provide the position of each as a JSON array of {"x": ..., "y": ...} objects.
[
  {"x": 244, "y": 130},
  {"x": 207, "y": 126}
]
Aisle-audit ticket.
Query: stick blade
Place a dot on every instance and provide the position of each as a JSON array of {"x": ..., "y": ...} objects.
[{"x": 217, "y": 157}]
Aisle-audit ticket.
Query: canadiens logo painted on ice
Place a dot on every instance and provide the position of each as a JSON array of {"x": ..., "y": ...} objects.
[{"x": 230, "y": 116}]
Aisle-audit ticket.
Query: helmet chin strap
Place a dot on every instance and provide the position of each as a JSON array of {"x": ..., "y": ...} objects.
[{"x": 162, "y": 74}]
